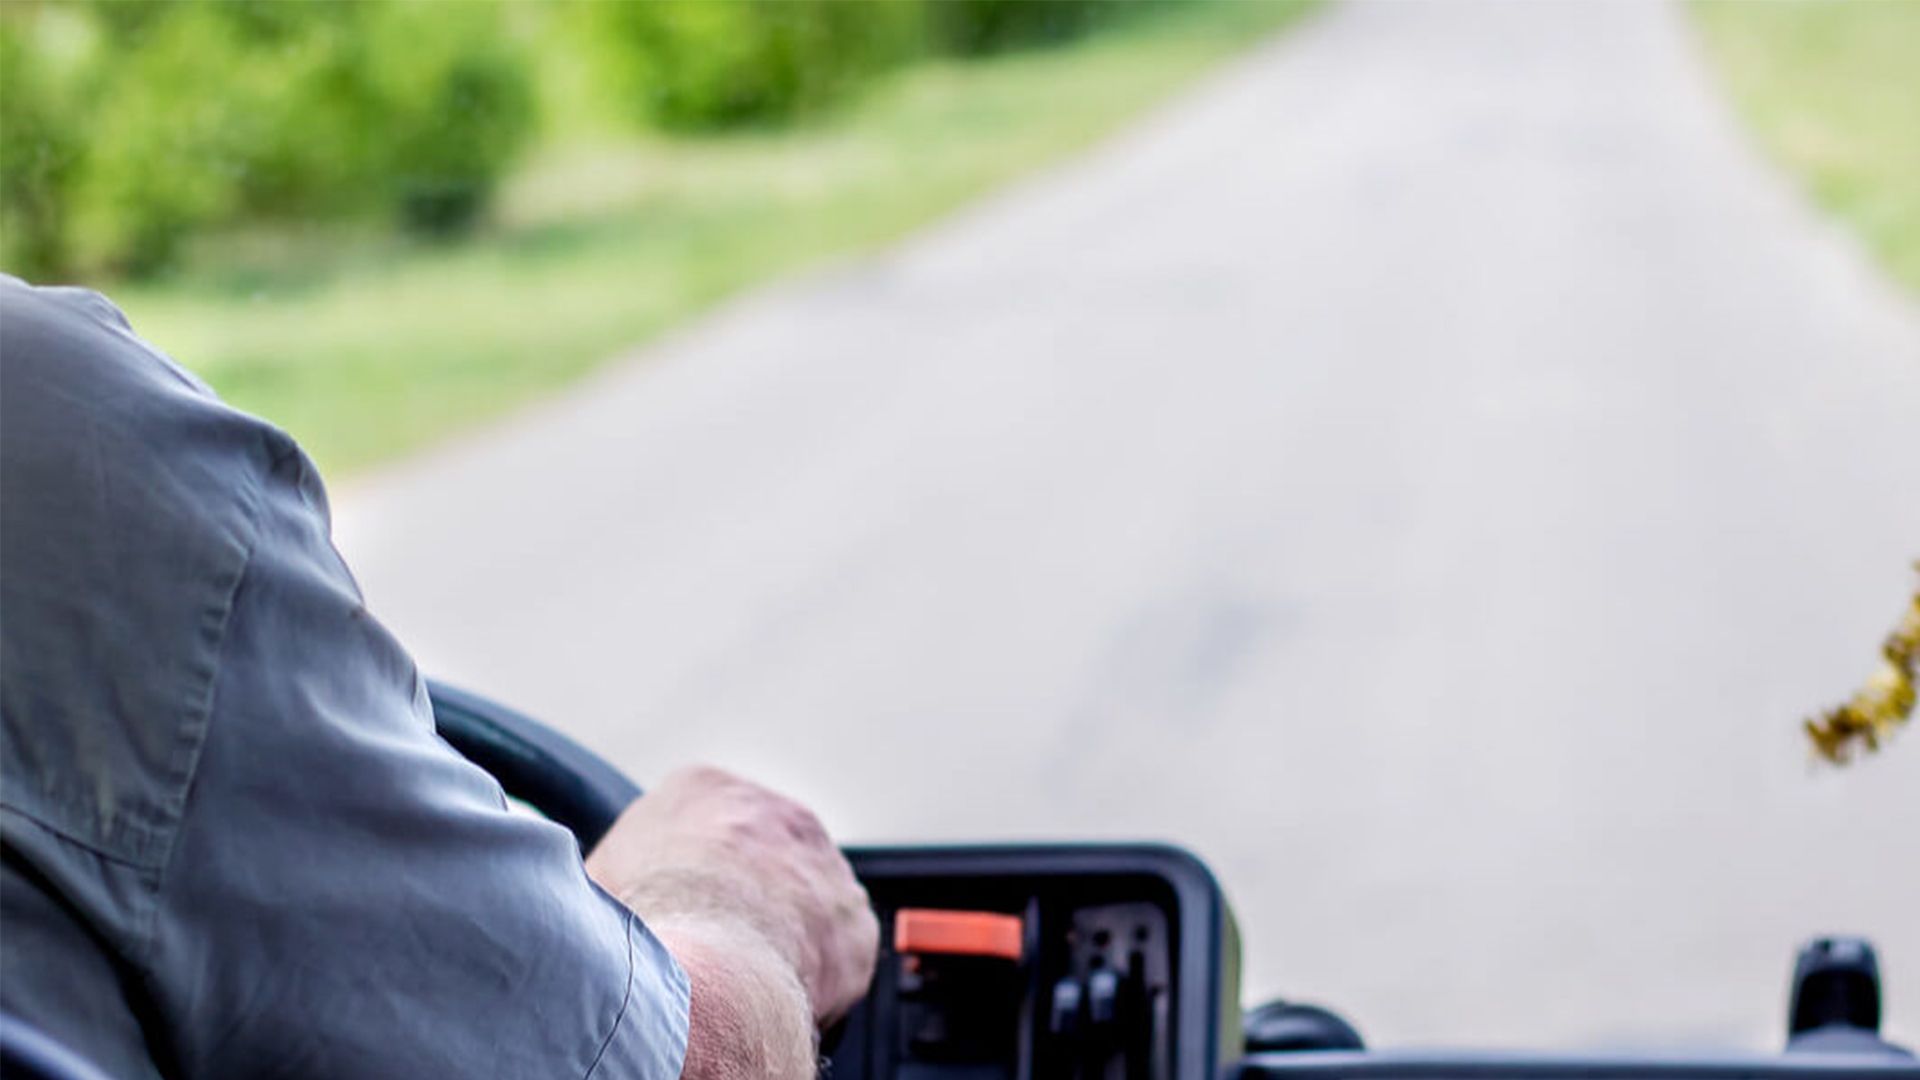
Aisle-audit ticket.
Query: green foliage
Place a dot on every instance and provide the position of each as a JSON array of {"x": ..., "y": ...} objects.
[
  {"x": 154, "y": 122},
  {"x": 977, "y": 27},
  {"x": 365, "y": 349},
  {"x": 1832, "y": 92},
  {"x": 704, "y": 65},
  {"x": 455, "y": 100},
  {"x": 690, "y": 65},
  {"x": 164, "y": 152},
  {"x": 133, "y": 128},
  {"x": 37, "y": 154}
]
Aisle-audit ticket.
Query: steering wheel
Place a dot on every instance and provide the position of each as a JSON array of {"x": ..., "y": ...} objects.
[{"x": 565, "y": 781}]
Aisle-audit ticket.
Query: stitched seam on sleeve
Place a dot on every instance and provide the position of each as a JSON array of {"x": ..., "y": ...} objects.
[
  {"x": 620, "y": 1017},
  {"x": 193, "y": 736},
  {"x": 72, "y": 836}
]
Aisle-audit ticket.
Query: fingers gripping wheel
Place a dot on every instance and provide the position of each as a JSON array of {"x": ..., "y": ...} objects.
[
  {"x": 539, "y": 766},
  {"x": 556, "y": 776}
]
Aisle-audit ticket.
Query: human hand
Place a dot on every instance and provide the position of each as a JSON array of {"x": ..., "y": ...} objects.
[{"x": 707, "y": 847}]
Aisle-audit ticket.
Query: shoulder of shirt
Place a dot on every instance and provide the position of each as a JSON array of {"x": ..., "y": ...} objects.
[{"x": 132, "y": 500}]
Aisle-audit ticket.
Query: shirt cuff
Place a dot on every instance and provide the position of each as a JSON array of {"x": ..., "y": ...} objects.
[{"x": 649, "y": 1037}]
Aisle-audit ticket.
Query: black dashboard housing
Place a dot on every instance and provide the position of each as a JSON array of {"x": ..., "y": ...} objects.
[
  {"x": 1523, "y": 1065},
  {"x": 1048, "y": 882}
]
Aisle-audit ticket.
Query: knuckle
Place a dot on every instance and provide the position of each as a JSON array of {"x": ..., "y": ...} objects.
[
  {"x": 802, "y": 824},
  {"x": 704, "y": 775}
]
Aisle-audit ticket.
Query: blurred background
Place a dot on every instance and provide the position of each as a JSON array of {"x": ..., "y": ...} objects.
[{"x": 1425, "y": 457}]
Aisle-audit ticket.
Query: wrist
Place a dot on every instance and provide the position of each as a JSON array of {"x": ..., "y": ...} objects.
[
  {"x": 748, "y": 1015},
  {"x": 698, "y": 896}
]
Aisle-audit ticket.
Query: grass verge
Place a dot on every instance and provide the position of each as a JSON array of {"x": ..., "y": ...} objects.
[
  {"x": 1832, "y": 90},
  {"x": 364, "y": 347}
]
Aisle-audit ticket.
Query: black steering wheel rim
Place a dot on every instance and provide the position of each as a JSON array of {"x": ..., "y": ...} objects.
[{"x": 565, "y": 781}]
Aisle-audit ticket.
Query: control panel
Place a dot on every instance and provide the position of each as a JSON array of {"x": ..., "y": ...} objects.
[{"x": 1078, "y": 962}]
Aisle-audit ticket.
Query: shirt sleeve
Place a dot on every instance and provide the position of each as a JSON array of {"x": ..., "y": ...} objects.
[
  {"x": 346, "y": 896},
  {"x": 232, "y": 841}
]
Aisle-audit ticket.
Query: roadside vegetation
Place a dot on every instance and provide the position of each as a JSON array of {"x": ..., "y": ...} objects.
[
  {"x": 1832, "y": 90},
  {"x": 378, "y": 223}
]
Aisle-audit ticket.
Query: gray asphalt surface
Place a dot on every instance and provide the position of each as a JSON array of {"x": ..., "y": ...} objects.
[{"x": 1429, "y": 470}]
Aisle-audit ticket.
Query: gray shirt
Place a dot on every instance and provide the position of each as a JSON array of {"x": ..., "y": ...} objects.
[{"x": 233, "y": 845}]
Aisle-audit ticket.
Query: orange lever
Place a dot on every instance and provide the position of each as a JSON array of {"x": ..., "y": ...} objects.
[{"x": 958, "y": 933}]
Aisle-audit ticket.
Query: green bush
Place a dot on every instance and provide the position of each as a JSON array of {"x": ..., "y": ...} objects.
[
  {"x": 38, "y": 151},
  {"x": 455, "y": 97},
  {"x": 165, "y": 150},
  {"x": 129, "y": 128},
  {"x": 161, "y": 121},
  {"x": 976, "y": 27},
  {"x": 694, "y": 65}
]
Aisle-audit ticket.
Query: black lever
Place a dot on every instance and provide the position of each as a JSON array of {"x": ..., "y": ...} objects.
[{"x": 1836, "y": 999}]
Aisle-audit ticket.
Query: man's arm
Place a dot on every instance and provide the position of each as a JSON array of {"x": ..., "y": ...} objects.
[
  {"x": 223, "y": 798},
  {"x": 757, "y": 905},
  {"x": 221, "y": 773}
]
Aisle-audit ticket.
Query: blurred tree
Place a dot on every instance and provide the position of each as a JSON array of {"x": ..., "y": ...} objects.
[
  {"x": 693, "y": 65},
  {"x": 976, "y": 27},
  {"x": 455, "y": 94},
  {"x": 130, "y": 127},
  {"x": 165, "y": 147},
  {"x": 38, "y": 153}
]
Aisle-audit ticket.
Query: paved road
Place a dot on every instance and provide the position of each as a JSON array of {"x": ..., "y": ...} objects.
[{"x": 1428, "y": 470}]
